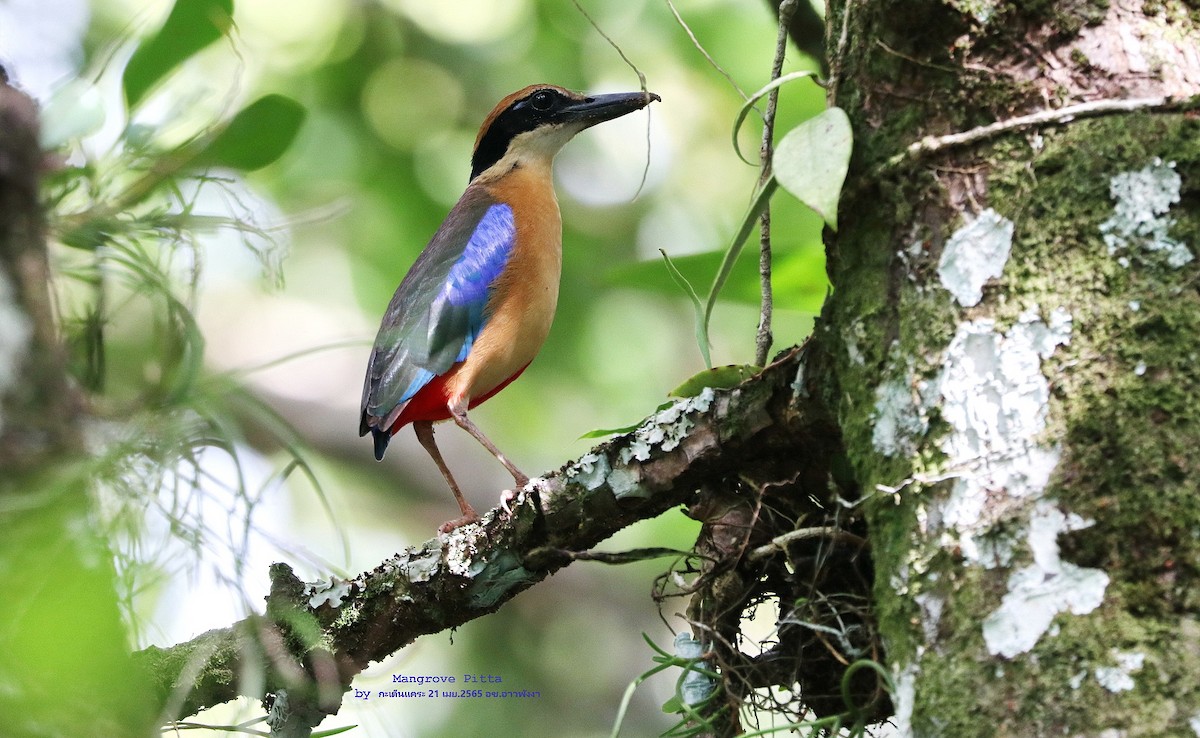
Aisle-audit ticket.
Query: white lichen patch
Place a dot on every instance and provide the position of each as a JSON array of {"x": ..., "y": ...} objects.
[
  {"x": 590, "y": 470},
  {"x": 15, "y": 333},
  {"x": 852, "y": 337},
  {"x": 422, "y": 568},
  {"x": 626, "y": 483},
  {"x": 1039, "y": 592},
  {"x": 1119, "y": 678},
  {"x": 461, "y": 550},
  {"x": 995, "y": 399},
  {"x": 901, "y": 415},
  {"x": 904, "y": 697},
  {"x": 666, "y": 428},
  {"x": 798, "y": 389},
  {"x": 331, "y": 594},
  {"x": 982, "y": 10},
  {"x": 931, "y": 606},
  {"x": 975, "y": 253},
  {"x": 696, "y": 686},
  {"x": 1194, "y": 724},
  {"x": 1140, "y": 218}
]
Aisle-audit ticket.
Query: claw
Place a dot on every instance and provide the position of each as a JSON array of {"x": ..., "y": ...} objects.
[
  {"x": 468, "y": 517},
  {"x": 506, "y": 499}
]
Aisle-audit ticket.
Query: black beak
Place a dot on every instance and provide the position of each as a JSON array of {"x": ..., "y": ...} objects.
[{"x": 599, "y": 108}]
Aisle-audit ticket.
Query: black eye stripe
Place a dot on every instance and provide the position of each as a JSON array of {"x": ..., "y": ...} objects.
[{"x": 536, "y": 109}]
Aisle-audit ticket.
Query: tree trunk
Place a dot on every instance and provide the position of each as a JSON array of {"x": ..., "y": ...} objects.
[{"x": 1014, "y": 342}]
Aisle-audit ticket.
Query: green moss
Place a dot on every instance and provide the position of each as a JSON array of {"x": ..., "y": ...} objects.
[
  {"x": 1010, "y": 701},
  {"x": 1013, "y": 702},
  {"x": 1126, "y": 391},
  {"x": 1129, "y": 462},
  {"x": 1128, "y": 437}
]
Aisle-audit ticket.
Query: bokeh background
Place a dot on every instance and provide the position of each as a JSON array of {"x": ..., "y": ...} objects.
[{"x": 288, "y": 306}]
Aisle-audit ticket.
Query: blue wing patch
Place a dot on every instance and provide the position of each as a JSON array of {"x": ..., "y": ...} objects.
[
  {"x": 424, "y": 377},
  {"x": 483, "y": 259},
  {"x": 468, "y": 286},
  {"x": 439, "y": 309}
]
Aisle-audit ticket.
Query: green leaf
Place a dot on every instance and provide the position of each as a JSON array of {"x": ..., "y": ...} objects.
[
  {"x": 191, "y": 26},
  {"x": 75, "y": 110},
  {"x": 606, "y": 432},
  {"x": 812, "y": 159},
  {"x": 673, "y": 705},
  {"x": 701, "y": 332},
  {"x": 257, "y": 136},
  {"x": 750, "y": 102},
  {"x": 720, "y": 377},
  {"x": 761, "y": 199}
]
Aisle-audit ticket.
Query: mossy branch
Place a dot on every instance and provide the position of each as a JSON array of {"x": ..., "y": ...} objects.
[{"x": 315, "y": 638}]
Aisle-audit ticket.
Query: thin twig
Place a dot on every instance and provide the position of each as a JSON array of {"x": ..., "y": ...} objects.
[
  {"x": 704, "y": 52},
  {"x": 780, "y": 543},
  {"x": 611, "y": 557},
  {"x": 641, "y": 80},
  {"x": 764, "y": 338},
  {"x": 836, "y": 59},
  {"x": 1057, "y": 116}
]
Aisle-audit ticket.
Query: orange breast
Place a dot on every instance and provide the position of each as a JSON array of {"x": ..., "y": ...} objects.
[
  {"x": 520, "y": 307},
  {"x": 524, "y": 297}
]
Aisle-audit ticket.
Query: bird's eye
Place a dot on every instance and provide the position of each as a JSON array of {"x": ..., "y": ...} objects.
[{"x": 541, "y": 100}]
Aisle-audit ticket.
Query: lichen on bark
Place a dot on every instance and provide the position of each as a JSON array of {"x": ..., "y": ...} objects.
[{"x": 1119, "y": 410}]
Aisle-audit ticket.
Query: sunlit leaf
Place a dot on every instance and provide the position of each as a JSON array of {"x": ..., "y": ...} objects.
[
  {"x": 191, "y": 26},
  {"x": 719, "y": 377},
  {"x": 812, "y": 159},
  {"x": 606, "y": 432},
  {"x": 256, "y": 136},
  {"x": 697, "y": 306},
  {"x": 761, "y": 199},
  {"x": 75, "y": 110}
]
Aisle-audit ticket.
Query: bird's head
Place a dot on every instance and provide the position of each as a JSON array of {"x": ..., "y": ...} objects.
[{"x": 531, "y": 125}]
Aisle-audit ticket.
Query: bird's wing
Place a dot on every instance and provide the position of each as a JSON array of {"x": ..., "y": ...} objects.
[{"x": 438, "y": 309}]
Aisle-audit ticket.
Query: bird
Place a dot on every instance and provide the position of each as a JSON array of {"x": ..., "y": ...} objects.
[{"x": 476, "y": 305}]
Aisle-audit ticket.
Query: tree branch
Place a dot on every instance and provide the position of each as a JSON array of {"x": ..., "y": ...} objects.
[
  {"x": 475, "y": 569},
  {"x": 1051, "y": 116}
]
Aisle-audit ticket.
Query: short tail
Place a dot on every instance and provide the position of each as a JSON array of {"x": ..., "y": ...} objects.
[{"x": 381, "y": 438}]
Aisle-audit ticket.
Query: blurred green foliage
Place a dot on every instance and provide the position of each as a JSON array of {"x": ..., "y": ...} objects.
[
  {"x": 340, "y": 132},
  {"x": 191, "y": 26}
]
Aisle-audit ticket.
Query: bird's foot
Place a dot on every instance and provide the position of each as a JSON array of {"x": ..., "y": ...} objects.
[
  {"x": 517, "y": 494},
  {"x": 469, "y": 516},
  {"x": 506, "y": 498}
]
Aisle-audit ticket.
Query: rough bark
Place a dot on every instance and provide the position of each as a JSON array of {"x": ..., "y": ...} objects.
[{"x": 1014, "y": 326}]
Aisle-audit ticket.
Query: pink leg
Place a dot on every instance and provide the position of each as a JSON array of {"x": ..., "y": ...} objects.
[
  {"x": 424, "y": 431},
  {"x": 459, "y": 414}
]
